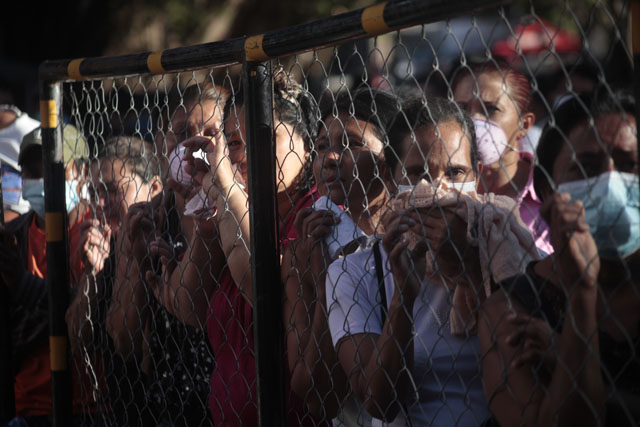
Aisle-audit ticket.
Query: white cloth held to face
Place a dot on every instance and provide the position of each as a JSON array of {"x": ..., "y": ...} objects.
[
  {"x": 203, "y": 204},
  {"x": 344, "y": 232},
  {"x": 505, "y": 245}
]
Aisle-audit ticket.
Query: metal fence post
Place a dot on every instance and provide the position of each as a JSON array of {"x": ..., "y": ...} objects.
[
  {"x": 265, "y": 260},
  {"x": 7, "y": 397},
  {"x": 57, "y": 252}
]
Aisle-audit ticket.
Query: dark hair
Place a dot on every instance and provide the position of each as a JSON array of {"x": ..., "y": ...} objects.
[
  {"x": 418, "y": 114},
  {"x": 31, "y": 161},
  {"x": 292, "y": 104},
  {"x": 367, "y": 104},
  {"x": 133, "y": 152},
  {"x": 520, "y": 88},
  {"x": 191, "y": 96},
  {"x": 571, "y": 113}
]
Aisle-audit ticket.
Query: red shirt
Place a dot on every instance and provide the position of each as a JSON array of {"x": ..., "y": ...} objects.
[
  {"x": 33, "y": 380},
  {"x": 233, "y": 399}
]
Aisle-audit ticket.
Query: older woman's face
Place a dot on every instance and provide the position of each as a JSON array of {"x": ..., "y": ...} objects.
[
  {"x": 436, "y": 155},
  {"x": 115, "y": 187}
]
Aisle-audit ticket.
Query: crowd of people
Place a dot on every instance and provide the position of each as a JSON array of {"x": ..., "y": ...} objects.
[{"x": 439, "y": 265}]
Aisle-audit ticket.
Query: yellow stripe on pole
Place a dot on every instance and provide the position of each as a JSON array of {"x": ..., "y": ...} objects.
[
  {"x": 154, "y": 62},
  {"x": 53, "y": 226},
  {"x": 48, "y": 114},
  {"x": 73, "y": 69},
  {"x": 635, "y": 27},
  {"x": 58, "y": 353},
  {"x": 253, "y": 51},
  {"x": 373, "y": 20}
]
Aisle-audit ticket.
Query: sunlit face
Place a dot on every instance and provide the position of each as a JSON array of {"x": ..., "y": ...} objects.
[
  {"x": 610, "y": 146},
  {"x": 116, "y": 187},
  {"x": 442, "y": 155},
  {"x": 348, "y": 164},
  {"x": 489, "y": 97},
  {"x": 234, "y": 131},
  {"x": 291, "y": 154},
  {"x": 198, "y": 119}
]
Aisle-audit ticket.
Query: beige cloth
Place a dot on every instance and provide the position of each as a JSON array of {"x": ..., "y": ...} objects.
[{"x": 504, "y": 243}]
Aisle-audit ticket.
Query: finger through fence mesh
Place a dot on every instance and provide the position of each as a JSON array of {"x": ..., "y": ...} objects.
[{"x": 457, "y": 209}]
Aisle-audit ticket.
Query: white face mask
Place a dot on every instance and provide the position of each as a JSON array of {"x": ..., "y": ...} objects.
[
  {"x": 463, "y": 187},
  {"x": 491, "y": 141}
]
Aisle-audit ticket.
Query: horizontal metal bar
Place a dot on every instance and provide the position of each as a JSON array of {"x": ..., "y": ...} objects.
[{"x": 367, "y": 22}]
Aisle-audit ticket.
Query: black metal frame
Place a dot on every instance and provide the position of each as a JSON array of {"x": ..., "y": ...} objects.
[
  {"x": 56, "y": 224},
  {"x": 289, "y": 41},
  {"x": 253, "y": 52},
  {"x": 267, "y": 308},
  {"x": 7, "y": 397}
]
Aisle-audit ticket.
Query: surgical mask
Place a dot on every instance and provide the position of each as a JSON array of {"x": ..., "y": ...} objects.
[
  {"x": 491, "y": 141},
  {"x": 463, "y": 187},
  {"x": 177, "y": 164},
  {"x": 612, "y": 210},
  {"x": 72, "y": 197},
  {"x": 12, "y": 190},
  {"x": 33, "y": 192}
]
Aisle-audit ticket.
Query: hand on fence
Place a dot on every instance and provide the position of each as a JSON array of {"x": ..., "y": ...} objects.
[
  {"x": 95, "y": 245},
  {"x": 141, "y": 226},
  {"x": 576, "y": 253},
  {"x": 158, "y": 279},
  {"x": 11, "y": 266},
  {"x": 184, "y": 191},
  {"x": 407, "y": 266},
  {"x": 312, "y": 227},
  {"x": 446, "y": 233},
  {"x": 534, "y": 339}
]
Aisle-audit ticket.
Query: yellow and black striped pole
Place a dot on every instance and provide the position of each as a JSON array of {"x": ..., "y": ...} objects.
[
  {"x": 7, "y": 379},
  {"x": 265, "y": 265},
  {"x": 57, "y": 252}
]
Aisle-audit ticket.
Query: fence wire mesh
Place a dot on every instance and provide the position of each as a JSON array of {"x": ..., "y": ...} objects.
[{"x": 434, "y": 270}]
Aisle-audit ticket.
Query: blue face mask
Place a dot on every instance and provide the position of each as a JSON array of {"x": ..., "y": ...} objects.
[
  {"x": 72, "y": 198},
  {"x": 612, "y": 210},
  {"x": 33, "y": 192}
]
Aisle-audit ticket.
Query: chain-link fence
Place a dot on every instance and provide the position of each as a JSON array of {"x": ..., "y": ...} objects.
[{"x": 418, "y": 213}]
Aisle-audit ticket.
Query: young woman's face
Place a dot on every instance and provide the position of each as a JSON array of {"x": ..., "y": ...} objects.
[
  {"x": 348, "y": 166},
  {"x": 491, "y": 100},
  {"x": 291, "y": 154}
]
